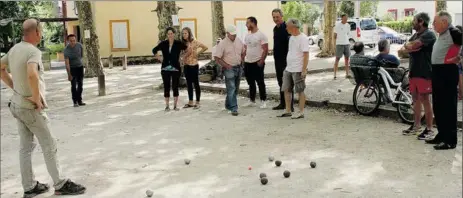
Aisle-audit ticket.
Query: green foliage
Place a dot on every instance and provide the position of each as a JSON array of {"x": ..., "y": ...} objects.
[
  {"x": 367, "y": 8},
  {"x": 55, "y": 48},
  {"x": 306, "y": 13},
  {"x": 403, "y": 26},
  {"x": 387, "y": 17}
]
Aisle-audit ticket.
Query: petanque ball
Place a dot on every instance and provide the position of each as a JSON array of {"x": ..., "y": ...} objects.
[
  {"x": 264, "y": 180},
  {"x": 270, "y": 158},
  {"x": 313, "y": 164},
  {"x": 149, "y": 193},
  {"x": 286, "y": 173},
  {"x": 262, "y": 175},
  {"x": 187, "y": 161},
  {"x": 278, "y": 163}
]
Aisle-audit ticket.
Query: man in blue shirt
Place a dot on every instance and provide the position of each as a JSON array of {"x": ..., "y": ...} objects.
[{"x": 384, "y": 47}]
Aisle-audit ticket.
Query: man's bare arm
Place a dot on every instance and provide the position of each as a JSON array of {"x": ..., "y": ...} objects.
[
  {"x": 33, "y": 79},
  {"x": 68, "y": 66},
  {"x": 414, "y": 45},
  {"x": 265, "y": 52},
  {"x": 6, "y": 76},
  {"x": 305, "y": 64}
]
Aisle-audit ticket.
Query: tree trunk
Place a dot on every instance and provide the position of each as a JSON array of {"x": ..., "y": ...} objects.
[
  {"x": 165, "y": 10},
  {"x": 441, "y": 5},
  {"x": 218, "y": 28},
  {"x": 91, "y": 45},
  {"x": 329, "y": 44}
]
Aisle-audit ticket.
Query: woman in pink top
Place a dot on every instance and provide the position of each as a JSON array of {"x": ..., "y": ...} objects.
[{"x": 191, "y": 67}]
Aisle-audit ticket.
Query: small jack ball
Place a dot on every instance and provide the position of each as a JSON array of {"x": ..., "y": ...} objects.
[
  {"x": 286, "y": 173},
  {"x": 262, "y": 175},
  {"x": 313, "y": 164},
  {"x": 264, "y": 180},
  {"x": 278, "y": 163},
  {"x": 271, "y": 159}
]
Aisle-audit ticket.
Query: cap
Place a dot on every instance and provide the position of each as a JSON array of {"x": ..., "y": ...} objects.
[{"x": 231, "y": 29}]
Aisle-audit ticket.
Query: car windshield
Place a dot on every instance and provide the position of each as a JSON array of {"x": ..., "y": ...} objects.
[
  {"x": 388, "y": 30},
  {"x": 368, "y": 24}
]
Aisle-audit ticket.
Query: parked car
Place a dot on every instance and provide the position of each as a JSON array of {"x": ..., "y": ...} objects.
[
  {"x": 313, "y": 39},
  {"x": 391, "y": 35},
  {"x": 362, "y": 29}
]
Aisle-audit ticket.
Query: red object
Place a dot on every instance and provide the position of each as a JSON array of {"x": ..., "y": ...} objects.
[
  {"x": 250, "y": 167},
  {"x": 358, "y": 32},
  {"x": 420, "y": 85},
  {"x": 452, "y": 53}
]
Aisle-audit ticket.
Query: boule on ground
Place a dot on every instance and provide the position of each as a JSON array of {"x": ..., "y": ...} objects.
[
  {"x": 262, "y": 175},
  {"x": 313, "y": 164},
  {"x": 278, "y": 163},
  {"x": 264, "y": 180},
  {"x": 286, "y": 173}
]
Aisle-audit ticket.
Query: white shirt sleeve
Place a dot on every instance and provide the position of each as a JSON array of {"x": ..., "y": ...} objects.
[
  {"x": 336, "y": 28},
  {"x": 304, "y": 44},
  {"x": 263, "y": 38}
]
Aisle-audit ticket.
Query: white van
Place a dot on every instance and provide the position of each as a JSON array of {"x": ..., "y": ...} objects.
[{"x": 362, "y": 29}]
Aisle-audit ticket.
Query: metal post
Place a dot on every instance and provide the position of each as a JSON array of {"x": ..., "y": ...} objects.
[{"x": 357, "y": 9}]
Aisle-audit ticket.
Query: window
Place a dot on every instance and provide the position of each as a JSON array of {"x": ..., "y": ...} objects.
[
  {"x": 119, "y": 35},
  {"x": 241, "y": 29},
  {"x": 368, "y": 24},
  {"x": 353, "y": 26},
  {"x": 393, "y": 12},
  {"x": 191, "y": 23},
  {"x": 409, "y": 11}
]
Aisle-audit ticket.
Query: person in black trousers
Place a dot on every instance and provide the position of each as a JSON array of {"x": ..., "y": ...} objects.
[
  {"x": 444, "y": 60},
  {"x": 170, "y": 69},
  {"x": 191, "y": 67},
  {"x": 280, "y": 50},
  {"x": 73, "y": 54}
]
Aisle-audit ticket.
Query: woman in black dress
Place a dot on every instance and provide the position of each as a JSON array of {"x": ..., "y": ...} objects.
[{"x": 170, "y": 69}]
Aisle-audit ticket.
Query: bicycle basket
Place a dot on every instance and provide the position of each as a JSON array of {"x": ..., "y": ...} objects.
[{"x": 364, "y": 67}]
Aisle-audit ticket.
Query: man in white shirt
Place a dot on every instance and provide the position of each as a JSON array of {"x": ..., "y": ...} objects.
[
  {"x": 296, "y": 70},
  {"x": 256, "y": 50},
  {"x": 341, "y": 34}
]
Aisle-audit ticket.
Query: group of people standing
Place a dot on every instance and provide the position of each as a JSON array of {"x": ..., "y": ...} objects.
[
  {"x": 237, "y": 57},
  {"x": 434, "y": 70}
]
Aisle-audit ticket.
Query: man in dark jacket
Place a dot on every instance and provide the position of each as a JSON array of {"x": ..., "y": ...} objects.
[{"x": 280, "y": 50}]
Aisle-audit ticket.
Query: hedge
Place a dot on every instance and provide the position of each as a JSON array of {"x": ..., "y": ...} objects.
[
  {"x": 55, "y": 48},
  {"x": 402, "y": 26}
]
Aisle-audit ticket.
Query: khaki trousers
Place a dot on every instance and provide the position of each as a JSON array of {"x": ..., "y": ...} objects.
[{"x": 33, "y": 123}]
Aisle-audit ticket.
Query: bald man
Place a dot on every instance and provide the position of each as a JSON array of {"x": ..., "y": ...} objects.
[{"x": 27, "y": 105}]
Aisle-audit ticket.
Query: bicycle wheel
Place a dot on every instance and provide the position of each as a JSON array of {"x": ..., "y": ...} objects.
[
  {"x": 366, "y": 89},
  {"x": 406, "y": 111}
]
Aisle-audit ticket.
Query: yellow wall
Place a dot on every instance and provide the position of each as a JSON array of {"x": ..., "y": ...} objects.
[{"x": 143, "y": 23}]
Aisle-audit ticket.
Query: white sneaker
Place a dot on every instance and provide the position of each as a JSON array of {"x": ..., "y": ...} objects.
[
  {"x": 263, "y": 105},
  {"x": 297, "y": 115},
  {"x": 250, "y": 104}
]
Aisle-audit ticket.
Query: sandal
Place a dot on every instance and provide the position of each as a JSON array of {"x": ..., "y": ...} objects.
[
  {"x": 167, "y": 109},
  {"x": 285, "y": 115},
  {"x": 176, "y": 109},
  {"x": 196, "y": 106},
  {"x": 188, "y": 106}
]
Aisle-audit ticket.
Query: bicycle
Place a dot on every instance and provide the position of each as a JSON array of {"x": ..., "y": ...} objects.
[{"x": 376, "y": 81}]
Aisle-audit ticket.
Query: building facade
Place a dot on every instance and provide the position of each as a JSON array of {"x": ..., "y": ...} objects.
[
  {"x": 401, "y": 9},
  {"x": 130, "y": 27}
]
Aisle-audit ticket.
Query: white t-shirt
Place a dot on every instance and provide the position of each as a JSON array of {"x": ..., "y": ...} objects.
[
  {"x": 254, "y": 42},
  {"x": 343, "y": 32},
  {"x": 295, "y": 58}
]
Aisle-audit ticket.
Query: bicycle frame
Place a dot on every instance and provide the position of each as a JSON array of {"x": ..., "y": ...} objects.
[{"x": 387, "y": 79}]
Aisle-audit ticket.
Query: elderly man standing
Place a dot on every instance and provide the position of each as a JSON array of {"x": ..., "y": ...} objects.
[
  {"x": 296, "y": 71},
  {"x": 73, "y": 54},
  {"x": 229, "y": 54},
  {"x": 280, "y": 50},
  {"x": 26, "y": 105},
  {"x": 444, "y": 60},
  {"x": 420, "y": 48}
]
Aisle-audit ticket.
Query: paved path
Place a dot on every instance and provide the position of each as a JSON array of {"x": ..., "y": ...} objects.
[
  {"x": 320, "y": 87},
  {"x": 122, "y": 144}
]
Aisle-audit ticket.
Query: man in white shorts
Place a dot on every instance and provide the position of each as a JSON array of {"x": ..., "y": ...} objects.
[{"x": 296, "y": 70}]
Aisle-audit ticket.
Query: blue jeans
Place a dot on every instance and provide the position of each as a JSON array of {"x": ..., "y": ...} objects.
[{"x": 232, "y": 84}]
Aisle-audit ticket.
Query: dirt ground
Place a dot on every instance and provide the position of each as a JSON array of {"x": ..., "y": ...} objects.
[{"x": 122, "y": 144}]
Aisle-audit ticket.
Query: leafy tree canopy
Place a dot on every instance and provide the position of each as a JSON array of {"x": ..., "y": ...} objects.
[{"x": 306, "y": 13}]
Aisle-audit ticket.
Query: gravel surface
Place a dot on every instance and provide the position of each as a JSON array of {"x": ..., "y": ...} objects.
[{"x": 123, "y": 144}]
